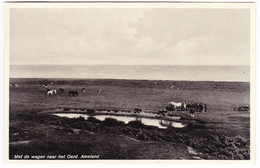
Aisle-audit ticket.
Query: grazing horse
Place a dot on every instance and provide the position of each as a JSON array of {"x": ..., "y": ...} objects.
[
  {"x": 177, "y": 106},
  {"x": 51, "y": 92},
  {"x": 204, "y": 108},
  {"x": 162, "y": 111},
  {"x": 99, "y": 90},
  {"x": 183, "y": 106},
  {"x": 55, "y": 91},
  {"x": 45, "y": 86},
  {"x": 191, "y": 112},
  {"x": 73, "y": 93},
  {"x": 199, "y": 107},
  {"x": 15, "y": 85},
  {"x": 138, "y": 110}
]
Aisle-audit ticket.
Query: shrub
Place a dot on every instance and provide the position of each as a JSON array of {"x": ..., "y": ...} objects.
[
  {"x": 137, "y": 124},
  {"x": 93, "y": 120},
  {"x": 112, "y": 122},
  {"x": 80, "y": 118}
]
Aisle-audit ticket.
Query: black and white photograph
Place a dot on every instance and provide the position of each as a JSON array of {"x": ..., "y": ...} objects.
[{"x": 130, "y": 81}]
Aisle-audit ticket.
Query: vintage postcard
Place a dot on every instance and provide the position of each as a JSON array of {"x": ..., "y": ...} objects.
[{"x": 93, "y": 82}]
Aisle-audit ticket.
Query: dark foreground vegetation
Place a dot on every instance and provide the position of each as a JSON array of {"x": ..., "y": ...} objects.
[{"x": 221, "y": 133}]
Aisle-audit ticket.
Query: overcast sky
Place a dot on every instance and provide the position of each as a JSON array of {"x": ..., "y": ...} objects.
[{"x": 130, "y": 36}]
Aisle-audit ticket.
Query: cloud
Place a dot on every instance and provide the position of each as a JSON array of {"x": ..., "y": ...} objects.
[{"x": 129, "y": 36}]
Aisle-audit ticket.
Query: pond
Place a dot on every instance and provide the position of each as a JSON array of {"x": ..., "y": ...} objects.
[{"x": 160, "y": 123}]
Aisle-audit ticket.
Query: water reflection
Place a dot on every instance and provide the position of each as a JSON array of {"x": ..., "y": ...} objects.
[{"x": 163, "y": 124}]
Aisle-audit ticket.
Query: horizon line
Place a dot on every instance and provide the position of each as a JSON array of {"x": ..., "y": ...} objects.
[{"x": 76, "y": 78}]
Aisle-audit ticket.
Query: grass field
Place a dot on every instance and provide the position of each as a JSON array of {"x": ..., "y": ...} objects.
[{"x": 220, "y": 133}]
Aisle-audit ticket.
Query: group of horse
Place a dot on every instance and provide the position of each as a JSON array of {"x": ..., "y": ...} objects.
[
  {"x": 72, "y": 93},
  {"x": 192, "y": 107},
  {"x": 61, "y": 90},
  {"x": 242, "y": 108}
]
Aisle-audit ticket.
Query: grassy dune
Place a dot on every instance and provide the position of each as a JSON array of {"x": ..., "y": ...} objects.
[{"x": 221, "y": 133}]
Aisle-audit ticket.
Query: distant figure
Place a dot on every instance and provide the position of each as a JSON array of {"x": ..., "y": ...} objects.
[
  {"x": 45, "y": 86},
  {"x": 83, "y": 90},
  {"x": 172, "y": 87},
  {"x": 73, "y": 93},
  {"x": 201, "y": 107},
  {"x": 99, "y": 90},
  {"x": 138, "y": 110},
  {"x": 61, "y": 90},
  {"x": 215, "y": 85},
  {"x": 14, "y": 85},
  {"x": 204, "y": 108},
  {"x": 162, "y": 112},
  {"x": 183, "y": 106},
  {"x": 191, "y": 112}
]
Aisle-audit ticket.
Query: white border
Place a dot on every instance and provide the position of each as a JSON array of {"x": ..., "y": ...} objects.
[{"x": 253, "y": 118}]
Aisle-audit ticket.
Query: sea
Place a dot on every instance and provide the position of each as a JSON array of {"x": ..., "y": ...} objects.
[{"x": 140, "y": 72}]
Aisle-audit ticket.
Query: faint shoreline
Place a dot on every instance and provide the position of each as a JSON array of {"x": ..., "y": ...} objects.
[
  {"x": 134, "y": 72},
  {"x": 115, "y": 79}
]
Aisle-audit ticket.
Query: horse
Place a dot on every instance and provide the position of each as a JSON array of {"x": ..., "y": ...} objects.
[
  {"x": 51, "y": 92},
  {"x": 99, "y": 90},
  {"x": 14, "y": 84},
  {"x": 183, "y": 106},
  {"x": 73, "y": 93},
  {"x": 204, "y": 108},
  {"x": 83, "y": 90},
  {"x": 138, "y": 110},
  {"x": 61, "y": 90},
  {"x": 191, "y": 111},
  {"x": 55, "y": 91},
  {"x": 162, "y": 111},
  {"x": 199, "y": 107},
  {"x": 177, "y": 106},
  {"x": 45, "y": 86}
]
